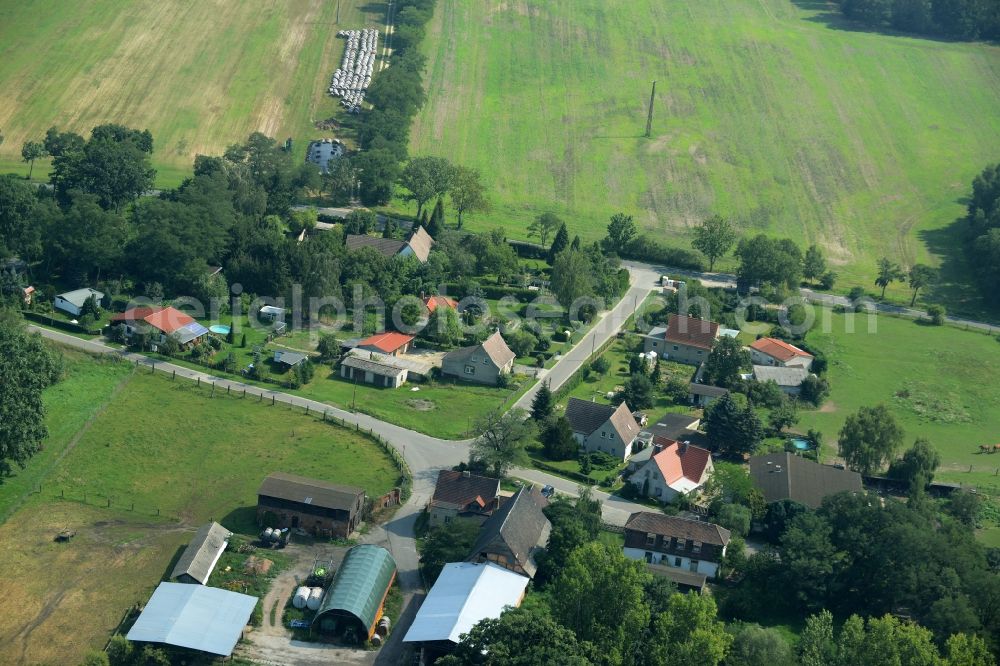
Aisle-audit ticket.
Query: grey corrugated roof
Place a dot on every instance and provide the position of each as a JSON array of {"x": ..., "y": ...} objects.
[
  {"x": 201, "y": 618},
  {"x": 200, "y": 556},
  {"x": 373, "y": 366},
  {"x": 519, "y": 523},
  {"x": 289, "y": 358},
  {"x": 679, "y": 576},
  {"x": 79, "y": 296},
  {"x": 310, "y": 491},
  {"x": 793, "y": 376},
  {"x": 706, "y": 390},
  {"x": 787, "y": 476}
]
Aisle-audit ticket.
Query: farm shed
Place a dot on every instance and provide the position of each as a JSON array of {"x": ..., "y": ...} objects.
[
  {"x": 354, "y": 601},
  {"x": 202, "y": 554},
  {"x": 324, "y": 509},
  {"x": 201, "y": 618},
  {"x": 463, "y": 594}
]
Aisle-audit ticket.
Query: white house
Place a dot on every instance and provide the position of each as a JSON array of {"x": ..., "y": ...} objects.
[
  {"x": 690, "y": 545},
  {"x": 774, "y": 352},
  {"x": 674, "y": 468},
  {"x": 598, "y": 427},
  {"x": 72, "y": 301}
]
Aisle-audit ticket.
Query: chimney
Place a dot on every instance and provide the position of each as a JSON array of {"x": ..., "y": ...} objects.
[
  {"x": 466, "y": 474},
  {"x": 682, "y": 449}
]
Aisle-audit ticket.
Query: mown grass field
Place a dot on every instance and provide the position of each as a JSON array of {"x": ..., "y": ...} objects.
[
  {"x": 863, "y": 143},
  {"x": 200, "y": 76},
  {"x": 161, "y": 445},
  {"x": 940, "y": 383}
]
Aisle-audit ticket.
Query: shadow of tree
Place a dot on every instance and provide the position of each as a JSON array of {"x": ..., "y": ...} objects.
[
  {"x": 956, "y": 287},
  {"x": 828, "y": 14}
]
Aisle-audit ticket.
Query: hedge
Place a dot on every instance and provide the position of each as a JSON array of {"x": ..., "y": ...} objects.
[
  {"x": 529, "y": 250},
  {"x": 576, "y": 476},
  {"x": 58, "y": 323},
  {"x": 649, "y": 249}
]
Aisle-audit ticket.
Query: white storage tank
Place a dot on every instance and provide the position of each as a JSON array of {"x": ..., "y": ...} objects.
[
  {"x": 315, "y": 596},
  {"x": 301, "y": 595}
]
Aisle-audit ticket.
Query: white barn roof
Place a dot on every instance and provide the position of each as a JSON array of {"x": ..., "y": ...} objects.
[
  {"x": 196, "y": 617},
  {"x": 464, "y": 594}
]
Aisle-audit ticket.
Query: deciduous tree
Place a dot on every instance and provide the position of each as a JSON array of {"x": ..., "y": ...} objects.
[
  {"x": 544, "y": 226},
  {"x": 621, "y": 231},
  {"x": 426, "y": 178},
  {"x": 870, "y": 439},
  {"x": 468, "y": 194},
  {"x": 814, "y": 263},
  {"x": 688, "y": 632},
  {"x": 503, "y": 436},
  {"x": 888, "y": 272},
  {"x": 920, "y": 276},
  {"x": 445, "y": 543},
  {"x": 572, "y": 277},
  {"x": 727, "y": 360},
  {"x": 714, "y": 238},
  {"x": 31, "y": 151}
]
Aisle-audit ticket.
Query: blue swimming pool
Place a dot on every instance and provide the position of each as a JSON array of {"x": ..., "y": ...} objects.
[
  {"x": 221, "y": 329},
  {"x": 800, "y": 444}
]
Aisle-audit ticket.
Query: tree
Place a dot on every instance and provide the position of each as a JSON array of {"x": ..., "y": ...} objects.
[
  {"x": 814, "y": 390},
  {"x": 727, "y": 360},
  {"x": 637, "y": 392},
  {"x": 968, "y": 650},
  {"x": 781, "y": 417},
  {"x": 732, "y": 430},
  {"x": 778, "y": 515},
  {"x": 542, "y": 404},
  {"x": 870, "y": 439},
  {"x": 445, "y": 543},
  {"x": 601, "y": 599},
  {"x": 734, "y": 517},
  {"x": 621, "y": 231},
  {"x": 544, "y": 226},
  {"x": 519, "y": 637},
  {"x": 827, "y": 280},
  {"x": 888, "y": 272},
  {"x": 468, "y": 194},
  {"x": 31, "y": 151},
  {"x": 814, "y": 263},
  {"x": 688, "y": 632},
  {"x": 444, "y": 327},
  {"x": 575, "y": 522},
  {"x": 936, "y": 314},
  {"x": 27, "y": 366},
  {"x": 521, "y": 342},
  {"x": 435, "y": 225},
  {"x": 917, "y": 465},
  {"x": 572, "y": 277},
  {"x": 557, "y": 440},
  {"x": 816, "y": 644},
  {"x": 96, "y": 658},
  {"x": 559, "y": 243},
  {"x": 754, "y": 645},
  {"x": 503, "y": 436},
  {"x": 426, "y": 178},
  {"x": 360, "y": 221},
  {"x": 121, "y": 651},
  {"x": 714, "y": 238},
  {"x": 920, "y": 276},
  {"x": 378, "y": 170},
  {"x": 809, "y": 558},
  {"x": 768, "y": 261}
]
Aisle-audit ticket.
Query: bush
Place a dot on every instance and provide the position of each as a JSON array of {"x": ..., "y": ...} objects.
[
  {"x": 936, "y": 314},
  {"x": 649, "y": 249},
  {"x": 601, "y": 365},
  {"x": 827, "y": 280},
  {"x": 602, "y": 460}
]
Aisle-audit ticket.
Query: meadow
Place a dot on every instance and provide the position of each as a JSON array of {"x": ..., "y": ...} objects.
[
  {"x": 770, "y": 112},
  {"x": 939, "y": 382},
  {"x": 200, "y": 76},
  {"x": 166, "y": 457}
]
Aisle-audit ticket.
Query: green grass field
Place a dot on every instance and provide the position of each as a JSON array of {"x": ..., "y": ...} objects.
[
  {"x": 940, "y": 382},
  {"x": 199, "y": 76},
  {"x": 157, "y": 444},
  {"x": 863, "y": 143}
]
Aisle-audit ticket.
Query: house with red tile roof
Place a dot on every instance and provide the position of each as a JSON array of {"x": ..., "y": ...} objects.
[
  {"x": 388, "y": 342},
  {"x": 674, "y": 468},
  {"x": 432, "y": 303},
  {"x": 778, "y": 353},
  {"x": 685, "y": 339},
  {"x": 166, "y": 321}
]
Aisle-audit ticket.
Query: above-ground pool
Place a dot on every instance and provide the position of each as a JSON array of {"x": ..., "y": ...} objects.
[
  {"x": 219, "y": 328},
  {"x": 800, "y": 444}
]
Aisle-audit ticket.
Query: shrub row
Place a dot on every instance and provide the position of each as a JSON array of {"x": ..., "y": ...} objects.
[
  {"x": 649, "y": 249},
  {"x": 49, "y": 320}
]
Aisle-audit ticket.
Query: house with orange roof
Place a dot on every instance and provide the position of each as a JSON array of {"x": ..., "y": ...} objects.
[
  {"x": 164, "y": 321},
  {"x": 778, "y": 353},
  {"x": 674, "y": 468},
  {"x": 392, "y": 343},
  {"x": 435, "y": 301}
]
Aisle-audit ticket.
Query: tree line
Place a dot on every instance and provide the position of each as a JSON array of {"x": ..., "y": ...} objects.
[
  {"x": 955, "y": 19},
  {"x": 982, "y": 232}
]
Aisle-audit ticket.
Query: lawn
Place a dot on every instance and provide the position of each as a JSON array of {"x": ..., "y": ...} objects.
[
  {"x": 199, "y": 76},
  {"x": 940, "y": 382},
  {"x": 160, "y": 445},
  {"x": 862, "y": 142}
]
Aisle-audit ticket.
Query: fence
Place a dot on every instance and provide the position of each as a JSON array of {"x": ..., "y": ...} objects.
[{"x": 54, "y": 322}]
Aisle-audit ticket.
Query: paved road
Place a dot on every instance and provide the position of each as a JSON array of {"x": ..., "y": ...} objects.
[{"x": 728, "y": 281}]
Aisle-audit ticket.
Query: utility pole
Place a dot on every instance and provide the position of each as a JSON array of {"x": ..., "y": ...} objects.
[
  {"x": 338, "y": 12},
  {"x": 649, "y": 118}
]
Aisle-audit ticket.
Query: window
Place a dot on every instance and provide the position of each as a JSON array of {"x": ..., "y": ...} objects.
[
  {"x": 693, "y": 566},
  {"x": 699, "y": 352},
  {"x": 650, "y": 539},
  {"x": 681, "y": 543},
  {"x": 654, "y": 343},
  {"x": 659, "y": 491},
  {"x": 470, "y": 369},
  {"x": 447, "y": 519},
  {"x": 676, "y": 347},
  {"x": 603, "y": 434},
  {"x": 649, "y": 557},
  {"x": 677, "y": 561},
  {"x": 696, "y": 546}
]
